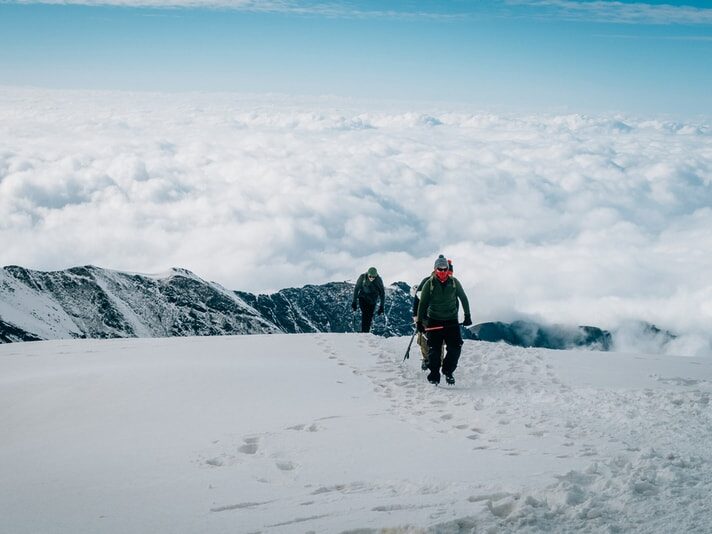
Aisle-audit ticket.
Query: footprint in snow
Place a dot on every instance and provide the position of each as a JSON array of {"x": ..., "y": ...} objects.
[
  {"x": 311, "y": 428},
  {"x": 285, "y": 465},
  {"x": 250, "y": 446}
]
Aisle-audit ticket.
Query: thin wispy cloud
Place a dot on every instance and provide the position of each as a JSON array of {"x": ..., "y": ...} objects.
[
  {"x": 618, "y": 12},
  {"x": 691, "y": 38},
  {"x": 289, "y": 7}
]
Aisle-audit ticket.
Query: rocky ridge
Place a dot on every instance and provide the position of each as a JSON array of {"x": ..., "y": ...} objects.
[{"x": 92, "y": 302}]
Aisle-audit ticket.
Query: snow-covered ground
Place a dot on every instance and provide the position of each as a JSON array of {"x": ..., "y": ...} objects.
[{"x": 333, "y": 432}]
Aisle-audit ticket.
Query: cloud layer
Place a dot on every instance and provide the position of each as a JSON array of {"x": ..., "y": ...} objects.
[{"x": 575, "y": 219}]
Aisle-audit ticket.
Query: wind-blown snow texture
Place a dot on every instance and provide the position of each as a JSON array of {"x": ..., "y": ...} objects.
[{"x": 334, "y": 433}]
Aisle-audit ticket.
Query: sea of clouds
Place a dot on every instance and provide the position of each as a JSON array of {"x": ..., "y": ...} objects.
[{"x": 560, "y": 218}]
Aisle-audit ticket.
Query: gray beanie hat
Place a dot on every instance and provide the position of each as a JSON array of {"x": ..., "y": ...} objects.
[{"x": 441, "y": 262}]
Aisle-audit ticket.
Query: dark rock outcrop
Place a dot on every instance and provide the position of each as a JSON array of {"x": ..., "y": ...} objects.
[{"x": 529, "y": 334}]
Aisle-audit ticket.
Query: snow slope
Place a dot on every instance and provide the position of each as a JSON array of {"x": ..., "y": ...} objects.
[{"x": 333, "y": 433}]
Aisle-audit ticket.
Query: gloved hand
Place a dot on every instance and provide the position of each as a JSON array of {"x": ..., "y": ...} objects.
[
  {"x": 420, "y": 326},
  {"x": 380, "y": 310},
  {"x": 467, "y": 321},
  {"x": 353, "y": 306}
]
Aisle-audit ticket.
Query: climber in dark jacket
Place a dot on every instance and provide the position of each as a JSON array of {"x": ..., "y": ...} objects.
[
  {"x": 439, "y": 308},
  {"x": 369, "y": 289}
]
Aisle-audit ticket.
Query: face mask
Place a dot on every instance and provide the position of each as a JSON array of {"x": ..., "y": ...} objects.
[{"x": 442, "y": 275}]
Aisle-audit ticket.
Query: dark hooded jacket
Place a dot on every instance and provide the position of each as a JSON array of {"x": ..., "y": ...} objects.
[{"x": 369, "y": 291}]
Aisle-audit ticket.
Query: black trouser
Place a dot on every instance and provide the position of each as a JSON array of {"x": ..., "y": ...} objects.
[
  {"x": 367, "y": 309},
  {"x": 450, "y": 335}
]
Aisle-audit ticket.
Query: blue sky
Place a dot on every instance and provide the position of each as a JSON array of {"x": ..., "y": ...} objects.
[{"x": 522, "y": 55}]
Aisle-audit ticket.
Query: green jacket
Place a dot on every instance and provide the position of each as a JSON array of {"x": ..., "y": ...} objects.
[{"x": 439, "y": 301}]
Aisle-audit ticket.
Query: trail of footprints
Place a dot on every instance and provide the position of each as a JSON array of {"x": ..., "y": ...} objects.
[
  {"x": 490, "y": 397},
  {"x": 481, "y": 400},
  {"x": 411, "y": 398},
  {"x": 442, "y": 409},
  {"x": 491, "y": 392}
]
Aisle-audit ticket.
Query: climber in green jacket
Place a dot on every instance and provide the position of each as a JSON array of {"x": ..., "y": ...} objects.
[{"x": 438, "y": 309}]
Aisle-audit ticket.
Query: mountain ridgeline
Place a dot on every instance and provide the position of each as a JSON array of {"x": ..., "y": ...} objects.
[{"x": 91, "y": 302}]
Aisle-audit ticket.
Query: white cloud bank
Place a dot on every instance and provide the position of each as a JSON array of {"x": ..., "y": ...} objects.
[{"x": 574, "y": 219}]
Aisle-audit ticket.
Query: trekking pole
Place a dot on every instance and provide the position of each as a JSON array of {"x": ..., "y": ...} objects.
[{"x": 407, "y": 352}]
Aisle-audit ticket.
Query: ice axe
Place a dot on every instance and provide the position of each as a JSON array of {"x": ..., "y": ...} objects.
[{"x": 407, "y": 352}]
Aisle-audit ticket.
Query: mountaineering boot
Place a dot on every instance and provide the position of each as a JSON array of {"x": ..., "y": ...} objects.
[
  {"x": 424, "y": 365},
  {"x": 450, "y": 379},
  {"x": 434, "y": 377}
]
